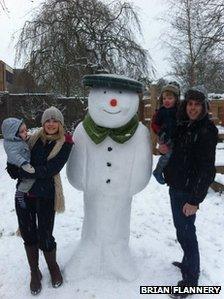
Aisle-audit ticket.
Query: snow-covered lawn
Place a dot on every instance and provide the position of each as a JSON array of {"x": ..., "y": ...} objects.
[
  {"x": 219, "y": 159},
  {"x": 152, "y": 241},
  {"x": 221, "y": 129}
]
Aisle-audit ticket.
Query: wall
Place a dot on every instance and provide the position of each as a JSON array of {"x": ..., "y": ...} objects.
[{"x": 31, "y": 106}]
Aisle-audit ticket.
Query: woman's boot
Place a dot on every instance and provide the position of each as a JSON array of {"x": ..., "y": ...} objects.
[
  {"x": 56, "y": 277},
  {"x": 32, "y": 253}
]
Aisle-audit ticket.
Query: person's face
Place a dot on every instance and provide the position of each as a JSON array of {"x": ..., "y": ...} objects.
[
  {"x": 193, "y": 109},
  {"x": 23, "y": 132},
  {"x": 168, "y": 100},
  {"x": 51, "y": 126}
]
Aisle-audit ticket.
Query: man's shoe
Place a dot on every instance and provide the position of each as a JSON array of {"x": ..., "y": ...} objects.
[
  {"x": 177, "y": 264},
  {"x": 181, "y": 284},
  {"x": 186, "y": 283},
  {"x": 179, "y": 296}
]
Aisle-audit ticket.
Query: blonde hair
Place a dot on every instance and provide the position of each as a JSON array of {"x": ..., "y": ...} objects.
[{"x": 57, "y": 136}]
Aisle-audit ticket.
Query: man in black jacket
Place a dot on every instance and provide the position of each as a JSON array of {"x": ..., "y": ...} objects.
[{"x": 189, "y": 173}]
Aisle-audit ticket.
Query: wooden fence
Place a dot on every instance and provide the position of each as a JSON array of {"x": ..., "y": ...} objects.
[{"x": 31, "y": 106}]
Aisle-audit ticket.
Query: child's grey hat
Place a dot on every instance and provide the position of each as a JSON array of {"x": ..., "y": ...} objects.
[
  {"x": 52, "y": 113},
  {"x": 173, "y": 87}
]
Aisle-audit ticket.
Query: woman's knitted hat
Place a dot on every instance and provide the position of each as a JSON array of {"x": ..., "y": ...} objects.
[{"x": 52, "y": 113}]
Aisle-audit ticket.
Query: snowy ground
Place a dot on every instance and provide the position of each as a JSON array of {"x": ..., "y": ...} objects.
[
  {"x": 221, "y": 129},
  {"x": 152, "y": 241}
]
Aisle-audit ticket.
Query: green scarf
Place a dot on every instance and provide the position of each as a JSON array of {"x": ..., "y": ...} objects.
[{"x": 120, "y": 135}]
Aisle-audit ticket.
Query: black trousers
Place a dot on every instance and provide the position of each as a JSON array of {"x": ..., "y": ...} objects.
[
  {"x": 186, "y": 236},
  {"x": 36, "y": 220}
]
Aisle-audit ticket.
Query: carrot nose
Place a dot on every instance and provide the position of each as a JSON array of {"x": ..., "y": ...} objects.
[{"x": 113, "y": 102}]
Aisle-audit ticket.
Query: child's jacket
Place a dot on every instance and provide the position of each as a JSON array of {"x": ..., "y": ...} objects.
[
  {"x": 17, "y": 150},
  {"x": 164, "y": 123}
]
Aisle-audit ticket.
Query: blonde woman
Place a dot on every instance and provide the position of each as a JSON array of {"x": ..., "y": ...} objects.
[{"x": 50, "y": 148}]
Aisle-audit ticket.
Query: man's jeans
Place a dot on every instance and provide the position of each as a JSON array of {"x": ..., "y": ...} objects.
[{"x": 186, "y": 236}]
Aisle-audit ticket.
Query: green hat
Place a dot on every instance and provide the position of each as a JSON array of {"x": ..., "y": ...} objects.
[{"x": 112, "y": 81}]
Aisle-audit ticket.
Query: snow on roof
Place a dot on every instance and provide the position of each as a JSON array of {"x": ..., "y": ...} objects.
[
  {"x": 58, "y": 96},
  {"x": 33, "y": 94},
  {"x": 73, "y": 98},
  {"x": 216, "y": 96}
]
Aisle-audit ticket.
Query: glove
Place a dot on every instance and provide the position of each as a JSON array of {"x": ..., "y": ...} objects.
[
  {"x": 28, "y": 168},
  {"x": 68, "y": 138},
  {"x": 163, "y": 137},
  {"x": 13, "y": 171}
]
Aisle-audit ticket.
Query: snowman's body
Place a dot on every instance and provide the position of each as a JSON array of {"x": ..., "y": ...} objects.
[{"x": 109, "y": 173}]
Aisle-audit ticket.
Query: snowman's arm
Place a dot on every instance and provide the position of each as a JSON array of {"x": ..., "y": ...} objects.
[
  {"x": 76, "y": 165},
  {"x": 142, "y": 164}
]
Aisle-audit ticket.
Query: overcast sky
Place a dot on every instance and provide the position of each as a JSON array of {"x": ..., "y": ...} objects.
[{"x": 149, "y": 12}]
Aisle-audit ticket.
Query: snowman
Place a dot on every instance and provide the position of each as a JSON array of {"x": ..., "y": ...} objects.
[{"x": 110, "y": 162}]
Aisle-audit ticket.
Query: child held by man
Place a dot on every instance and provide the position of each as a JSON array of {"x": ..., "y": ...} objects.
[{"x": 164, "y": 123}]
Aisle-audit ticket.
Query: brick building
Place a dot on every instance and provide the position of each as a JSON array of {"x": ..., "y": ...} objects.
[{"x": 6, "y": 76}]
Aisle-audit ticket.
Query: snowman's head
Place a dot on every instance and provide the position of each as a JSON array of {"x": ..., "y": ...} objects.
[{"x": 112, "y": 107}]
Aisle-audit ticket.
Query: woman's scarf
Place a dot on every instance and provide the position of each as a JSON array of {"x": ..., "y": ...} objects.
[{"x": 59, "y": 202}]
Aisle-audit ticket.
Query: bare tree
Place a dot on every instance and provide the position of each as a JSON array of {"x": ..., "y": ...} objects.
[
  {"x": 195, "y": 42},
  {"x": 214, "y": 19},
  {"x": 3, "y": 6},
  {"x": 32, "y": 106},
  {"x": 70, "y": 38}
]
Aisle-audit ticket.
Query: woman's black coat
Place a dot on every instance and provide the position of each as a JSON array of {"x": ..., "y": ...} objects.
[{"x": 44, "y": 170}]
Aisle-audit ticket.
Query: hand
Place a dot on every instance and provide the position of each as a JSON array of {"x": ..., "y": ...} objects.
[
  {"x": 28, "y": 168},
  {"x": 163, "y": 148},
  {"x": 13, "y": 171},
  {"x": 189, "y": 210},
  {"x": 68, "y": 138}
]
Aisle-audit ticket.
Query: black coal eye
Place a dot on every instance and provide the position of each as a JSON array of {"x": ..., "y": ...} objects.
[
  {"x": 120, "y": 91},
  {"x": 104, "y": 91}
]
